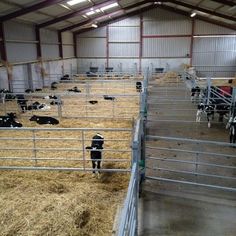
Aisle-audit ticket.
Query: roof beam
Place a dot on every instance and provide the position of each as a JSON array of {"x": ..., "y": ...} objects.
[
  {"x": 233, "y": 27},
  {"x": 74, "y": 14},
  {"x": 35, "y": 7},
  {"x": 97, "y": 18},
  {"x": 117, "y": 18},
  {"x": 225, "y": 2},
  {"x": 203, "y": 10}
]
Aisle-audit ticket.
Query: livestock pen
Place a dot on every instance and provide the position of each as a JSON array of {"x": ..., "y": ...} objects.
[{"x": 69, "y": 200}]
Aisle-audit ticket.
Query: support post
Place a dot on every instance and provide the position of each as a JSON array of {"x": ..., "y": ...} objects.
[
  {"x": 3, "y": 53},
  {"x": 75, "y": 45},
  {"x": 38, "y": 39},
  {"x": 60, "y": 44},
  {"x": 141, "y": 44},
  {"x": 192, "y": 41},
  {"x": 107, "y": 45}
]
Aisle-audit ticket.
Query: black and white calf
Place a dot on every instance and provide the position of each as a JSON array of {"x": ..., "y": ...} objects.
[
  {"x": 22, "y": 102},
  {"x": 231, "y": 125},
  {"x": 38, "y": 106},
  {"x": 42, "y": 120},
  {"x": 139, "y": 86},
  {"x": 209, "y": 110},
  {"x": 195, "y": 93},
  {"x": 96, "y": 151},
  {"x": 54, "y": 85},
  {"x": 9, "y": 121},
  {"x": 75, "y": 90}
]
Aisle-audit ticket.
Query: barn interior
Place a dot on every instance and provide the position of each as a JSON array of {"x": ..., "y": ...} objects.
[{"x": 156, "y": 79}]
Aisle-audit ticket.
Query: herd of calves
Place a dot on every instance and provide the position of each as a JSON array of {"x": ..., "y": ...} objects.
[{"x": 9, "y": 120}]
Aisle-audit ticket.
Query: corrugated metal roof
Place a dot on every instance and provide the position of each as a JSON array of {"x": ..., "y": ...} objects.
[{"x": 59, "y": 14}]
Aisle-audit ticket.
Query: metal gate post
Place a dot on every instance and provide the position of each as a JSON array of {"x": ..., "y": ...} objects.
[
  {"x": 208, "y": 90},
  {"x": 135, "y": 148},
  {"x": 233, "y": 103}
]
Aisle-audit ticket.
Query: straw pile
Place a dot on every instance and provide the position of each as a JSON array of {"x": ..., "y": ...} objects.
[{"x": 62, "y": 203}]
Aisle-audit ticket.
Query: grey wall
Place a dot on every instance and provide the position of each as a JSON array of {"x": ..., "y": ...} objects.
[{"x": 165, "y": 41}]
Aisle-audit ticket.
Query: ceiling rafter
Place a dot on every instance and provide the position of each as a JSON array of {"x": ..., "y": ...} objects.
[
  {"x": 29, "y": 9},
  {"x": 225, "y": 2},
  {"x": 172, "y": 9},
  {"x": 97, "y": 18},
  {"x": 203, "y": 10},
  {"x": 233, "y": 27},
  {"x": 118, "y": 18},
  {"x": 74, "y": 14}
]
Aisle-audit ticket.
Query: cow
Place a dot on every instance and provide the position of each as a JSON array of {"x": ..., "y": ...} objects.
[
  {"x": 222, "y": 109},
  {"x": 38, "y": 106},
  {"x": 75, "y": 90},
  {"x": 231, "y": 125},
  {"x": 29, "y": 91},
  {"x": 51, "y": 97},
  {"x": 93, "y": 102},
  {"x": 54, "y": 85},
  {"x": 44, "y": 120},
  {"x": 56, "y": 103},
  {"x": 22, "y": 102},
  {"x": 8, "y": 96},
  {"x": 139, "y": 86},
  {"x": 96, "y": 151},
  {"x": 209, "y": 110},
  {"x": 195, "y": 93},
  {"x": 9, "y": 120},
  {"x": 65, "y": 77},
  {"x": 38, "y": 89},
  {"x": 107, "y": 97}
]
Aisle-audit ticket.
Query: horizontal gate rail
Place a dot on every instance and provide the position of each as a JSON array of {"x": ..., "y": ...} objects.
[
  {"x": 194, "y": 173},
  {"x": 191, "y": 167},
  {"x": 192, "y": 183}
]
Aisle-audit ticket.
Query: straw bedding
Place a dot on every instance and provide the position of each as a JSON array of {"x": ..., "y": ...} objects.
[{"x": 62, "y": 203}]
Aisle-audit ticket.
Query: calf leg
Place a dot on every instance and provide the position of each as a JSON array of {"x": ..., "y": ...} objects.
[
  {"x": 208, "y": 122},
  {"x": 99, "y": 165},
  {"x": 94, "y": 166},
  {"x": 198, "y": 116}
]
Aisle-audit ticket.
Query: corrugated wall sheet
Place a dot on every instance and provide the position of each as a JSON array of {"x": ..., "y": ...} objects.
[{"x": 166, "y": 47}]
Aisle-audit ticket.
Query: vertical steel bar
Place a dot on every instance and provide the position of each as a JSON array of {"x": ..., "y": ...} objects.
[
  {"x": 59, "y": 106},
  {"x": 34, "y": 149},
  {"x": 83, "y": 148},
  {"x": 3, "y": 53}
]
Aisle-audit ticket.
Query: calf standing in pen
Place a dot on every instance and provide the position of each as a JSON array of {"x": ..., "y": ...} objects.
[
  {"x": 231, "y": 125},
  {"x": 209, "y": 110},
  {"x": 96, "y": 151}
]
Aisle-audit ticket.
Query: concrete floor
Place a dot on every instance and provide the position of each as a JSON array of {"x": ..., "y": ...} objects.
[{"x": 169, "y": 209}]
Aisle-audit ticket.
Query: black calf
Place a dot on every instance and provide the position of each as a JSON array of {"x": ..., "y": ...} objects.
[
  {"x": 75, "y": 90},
  {"x": 93, "y": 102},
  {"x": 54, "y": 85},
  {"x": 106, "y": 97},
  {"x": 96, "y": 151},
  {"x": 44, "y": 120},
  {"x": 9, "y": 121},
  {"x": 22, "y": 102}
]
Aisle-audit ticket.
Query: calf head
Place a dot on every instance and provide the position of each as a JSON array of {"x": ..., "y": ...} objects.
[{"x": 33, "y": 118}]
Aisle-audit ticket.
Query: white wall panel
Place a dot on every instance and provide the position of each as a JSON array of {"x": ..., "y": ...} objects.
[
  {"x": 204, "y": 44},
  {"x": 67, "y": 38},
  {"x": 124, "y": 65},
  {"x": 70, "y": 66},
  {"x": 124, "y": 34},
  {"x": 3, "y": 78},
  {"x": 123, "y": 50},
  {"x": 68, "y": 51},
  {"x": 166, "y": 47},
  {"x": 84, "y": 64},
  {"x": 91, "y": 47},
  {"x": 21, "y": 52},
  {"x": 36, "y": 75},
  {"x": 19, "y": 31},
  {"x": 203, "y": 58},
  {"x": 225, "y": 59},
  {"x": 19, "y": 78},
  {"x": 161, "y": 22},
  {"x": 133, "y": 21},
  {"x": 226, "y": 44},
  {"x": 99, "y": 32},
  {"x": 50, "y": 51},
  {"x": 202, "y": 27},
  {"x": 167, "y": 63},
  {"x": 48, "y": 36}
]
